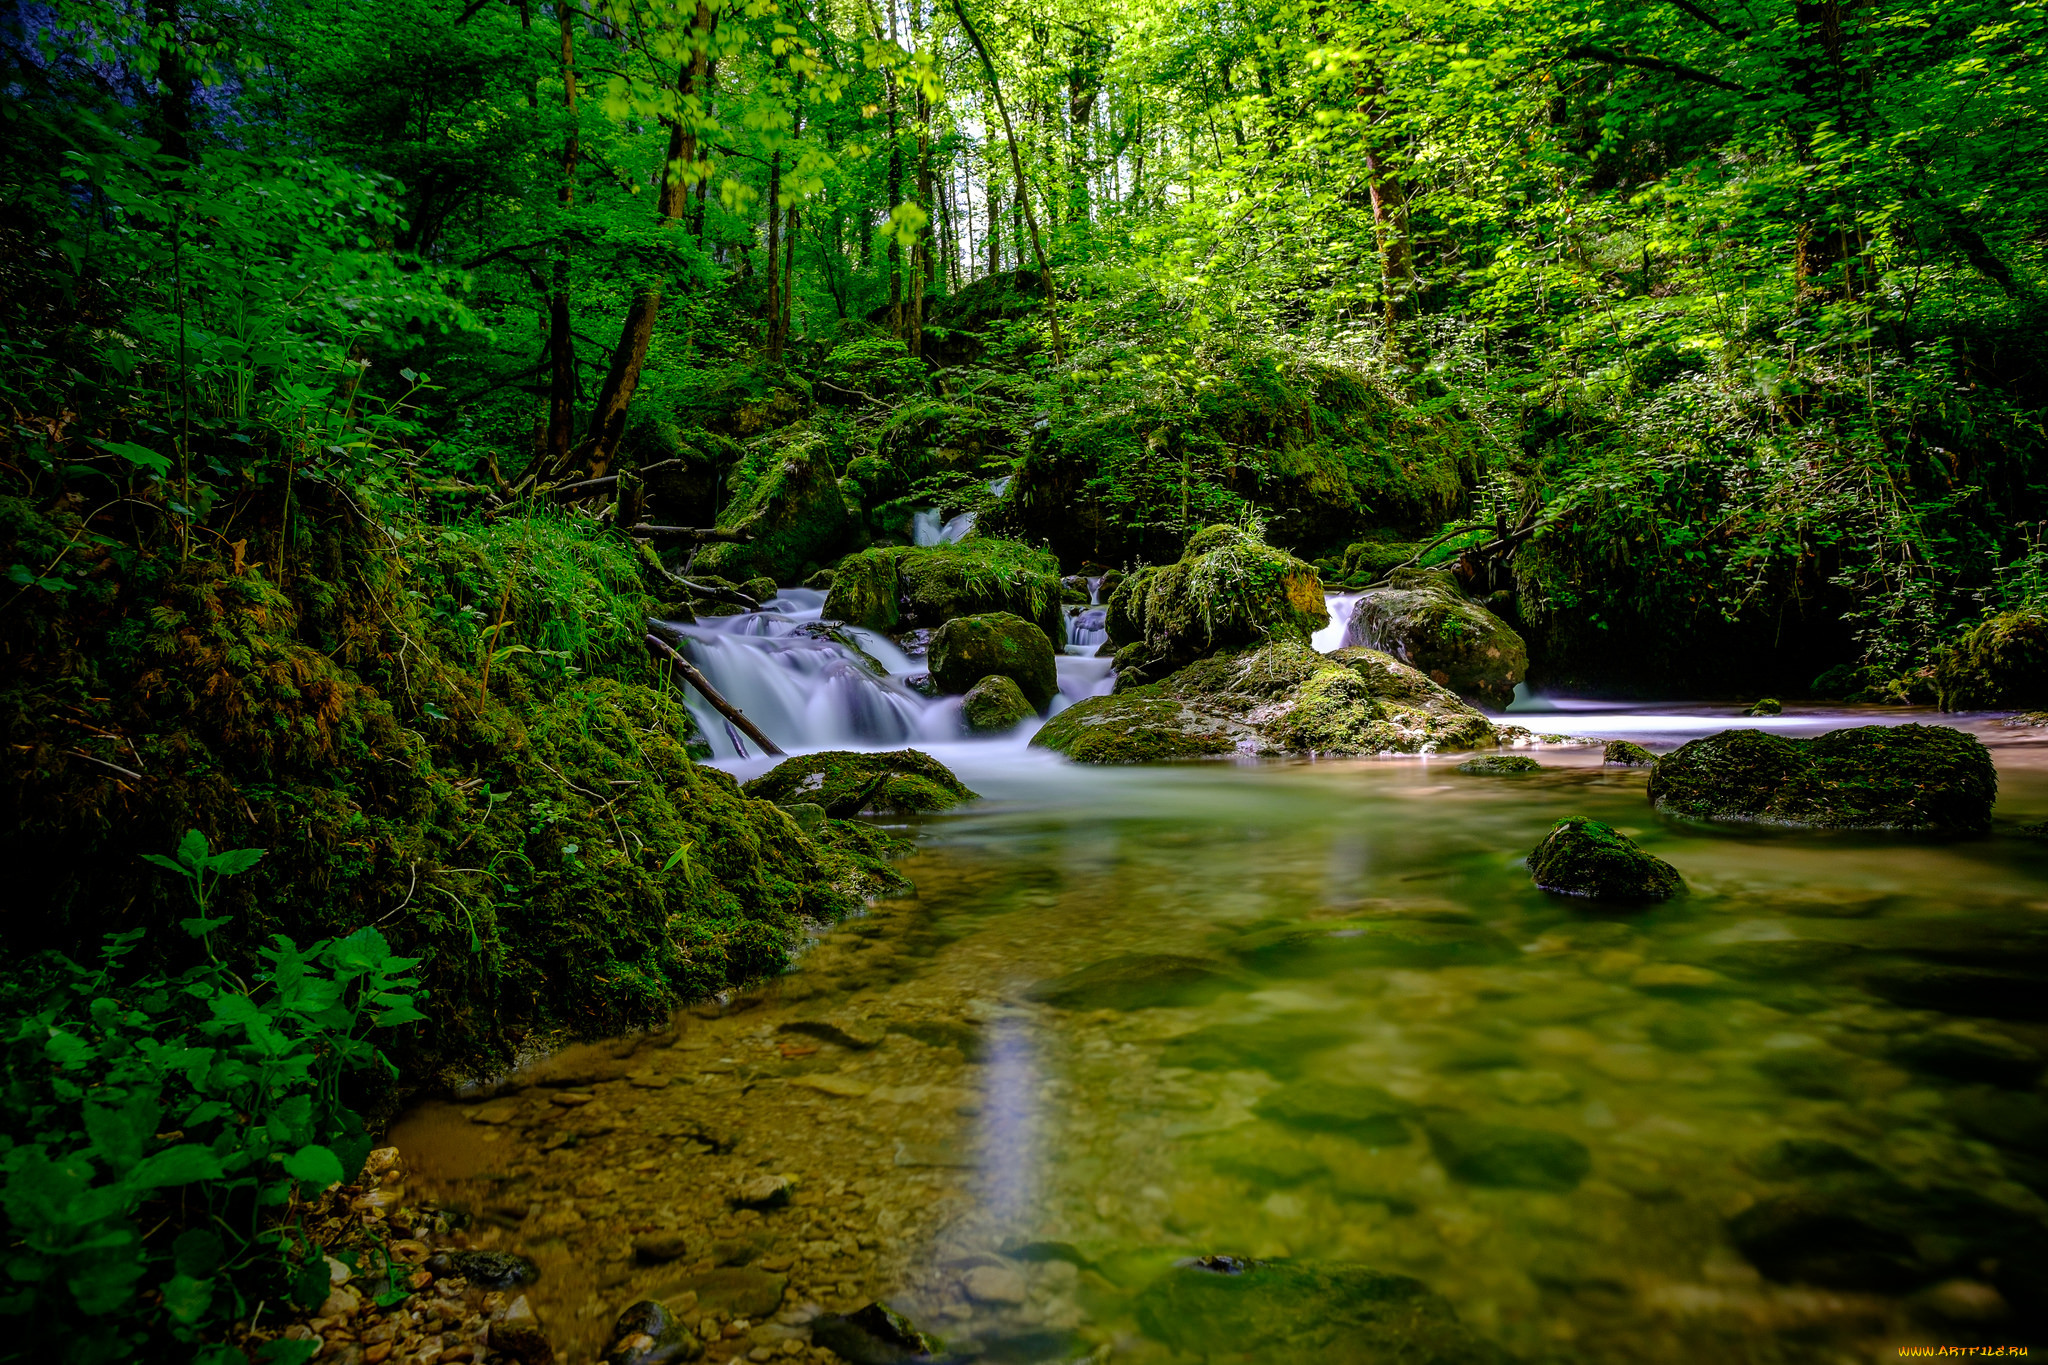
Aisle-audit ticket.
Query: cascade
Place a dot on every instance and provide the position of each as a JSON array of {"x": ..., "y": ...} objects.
[
  {"x": 810, "y": 684},
  {"x": 926, "y": 529}
]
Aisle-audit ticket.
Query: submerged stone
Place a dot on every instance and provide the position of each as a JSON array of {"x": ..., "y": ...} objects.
[
  {"x": 1581, "y": 857},
  {"x": 1223, "y": 1308},
  {"x": 1923, "y": 778},
  {"x": 1500, "y": 765},
  {"x": 1620, "y": 753},
  {"x": 649, "y": 1333},
  {"x": 1331, "y": 945},
  {"x": 1137, "y": 981},
  {"x": 967, "y": 649},
  {"x": 1278, "y": 1047},
  {"x": 847, "y": 784},
  {"x": 736, "y": 1291},
  {"x": 1424, "y": 620},
  {"x": 1364, "y": 1112},
  {"x": 1975, "y": 991},
  {"x": 995, "y": 704},
  {"x": 1502, "y": 1156},
  {"x": 872, "y": 1335},
  {"x": 485, "y": 1269}
]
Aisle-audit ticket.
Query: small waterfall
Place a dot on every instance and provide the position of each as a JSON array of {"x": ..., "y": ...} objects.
[
  {"x": 926, "y": 529},
  {"x": 806, "y": 690},
  {"x": 1086, "y": 628},
  {"x": 1336, "y": 635}
]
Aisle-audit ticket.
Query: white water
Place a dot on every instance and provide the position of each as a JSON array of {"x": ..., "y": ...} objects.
[
  {"x": 807, "y": 691},
  {"x": 926, "y": 529}
]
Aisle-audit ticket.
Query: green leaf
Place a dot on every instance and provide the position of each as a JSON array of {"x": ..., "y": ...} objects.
[
  {"x": 192, "y": 850},
  {"x": 284, "y": 1351},
  {"x": 186, "y": 1299},
  {"x": 315, "y": 1165},
  {"x": 198, "y": 1252},
  {"x": 235, "y": 861},
  {"x": 142, "y": 457},
  {"x": 179, "y": 1165}
]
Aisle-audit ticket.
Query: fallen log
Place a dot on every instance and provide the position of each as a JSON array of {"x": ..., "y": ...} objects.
[
  {"x": 700, "y": 534},
  {"x": 664, "y": 650}
]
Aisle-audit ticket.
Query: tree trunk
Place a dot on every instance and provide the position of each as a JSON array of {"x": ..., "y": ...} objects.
[
  {"x": 561, "y": 338},
  {"x": 995, "y": 89},
  {"x": 608, "y": 421}
]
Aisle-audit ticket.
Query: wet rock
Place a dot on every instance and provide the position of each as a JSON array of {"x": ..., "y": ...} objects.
[
  {"x": 1228, "y": 590},
  {"x": 1620, "y": 753},
  {"x": 1424, "y": 620},
  {"x": 902, "y": 587},
  {"x": 969, "y": 648},
  {"x": 1331, "y": 945},
  {"x": 763, "y": 1192},
  {"x": 829, "y": 1031},
  {"x": 1974, "y": 991},
  {"x": 1998, "y": 663},
  {"x": 1810, "y": 1239},
  {"x": 485, "y": 1269},
  {"x": 515, "y": 1334},
  {"x": 1924, "y": 778},
  {"x": 1500, "y": 765},
  {"x": 1502, "y": 1156},
  {"x": 1363, "y": 1112},
  {"x": 648, "y": 1333},
  {"x": 657, "y": 1248},
  {"x": 1769, "y": 706},
  {"x": 874, "y": 1335},
  {"x": 735, "y": 1291},
  {"x": 1971, "y": 1054},
  {"x": 953, "y": 1033},
  {"x": 1136, "y": 981},
  {"x": 848, "y": 784},
  {"x": 995, "y": 1285},
  {"x": 1581, "y": 857},
  {"x": 995, "y": 704},
  {"x": 1306, "y": 1313}
]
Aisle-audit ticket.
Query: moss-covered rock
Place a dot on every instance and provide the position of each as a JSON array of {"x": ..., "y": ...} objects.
[
  {"x": 1926, "y": 778},
  {"x": 1279, "y": 698},
  {"x": 1620, "y": 753},
  {"x": 1500, "y": 765},
  {"x": 785, "y": 496},
  {"x": 967, "y": 649},
  {"x": 2001, "y": 662},
  {"x": 1581, "y": 857},
  {"x": 901, "y": 782},
  {"x": 1768, "y": 706},
  {"x": 1424, "y": 620},
  {"x": 1369, "y": 560},
  {"x": 995, "y": 704},
  {"x": 1305, "y": 1313},
  {"x": 1230, "y": 590},
  {"x": 901, "y": 587}
]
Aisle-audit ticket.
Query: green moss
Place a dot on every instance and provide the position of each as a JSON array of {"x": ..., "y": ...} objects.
[
  {"x": 1134, "y": 729},
  {"x": 1581, "y": 857},
  {"x": 2000, "y": 663},
  {"x": 1926, "y": 778},
  {"x": 968, "y": 649},
  {"x": 785, "y": 496},
  {"x": 1769, "y": 706},
  {"x": 900, "y": 782},
  {"x": 901, "y": 586},
  {"x": 1500, "y": 765},
  {"x": 995, "y": 704},
  {"x": 1621, "y": 753},
  {"x": 1231, "y": 590},
  {"x": 1424, "y": 619}
]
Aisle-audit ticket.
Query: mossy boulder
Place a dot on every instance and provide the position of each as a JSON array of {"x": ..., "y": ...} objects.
[
  {"x": 2000, "y": 663},
  {"x": 995, "y": 704},
  {"x": 1424, "y": 620},
  {"x": 1368, "y": 561},
  {"x": 785, "y": 497},
  {"x": 1768, "y": 706},
  {"x": 967, "y": 649},
  {"x": 1924, "y": 778},
  {"x": 1285, "y": 1312},
  {"x": 1278, "y": 698},
  {"x": 1581, "y": 857},
  {"x": 1500, "y": 765},
  {"x": 900, "y": 782},
  {"x": 902, "y": 587},
  {"x": 1229, "y": 590},
  {"x": 1620, "y": 753}
]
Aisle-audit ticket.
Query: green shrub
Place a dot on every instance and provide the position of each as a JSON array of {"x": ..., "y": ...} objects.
[{"x": 160, "y": 1131}]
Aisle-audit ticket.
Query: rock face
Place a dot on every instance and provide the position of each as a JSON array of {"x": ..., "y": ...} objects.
[
  {"x": 1424, "y": 620},
  {"x": 2002, "y": 662},
  {"x": 969, "y": 648},
  {"x": 1279, "y": 698},
  {"x": 1581, "y": 857},
  {"x": 900, "y": 588},
  {"x": 1925, "y": 778},
  {"x": 1305, "y": 1313},
  {"x": 786, "y": 498},
  {"x": 995, "y": 704},
  {"x": 1228, "y": 590},
  {"x": 848, "y": 784}
]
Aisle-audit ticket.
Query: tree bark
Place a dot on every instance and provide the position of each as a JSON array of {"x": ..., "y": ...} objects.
[{"x": 561, "y": 337}]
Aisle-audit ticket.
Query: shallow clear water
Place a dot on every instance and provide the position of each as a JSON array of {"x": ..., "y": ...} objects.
[{"x": 1387, "y": 974}]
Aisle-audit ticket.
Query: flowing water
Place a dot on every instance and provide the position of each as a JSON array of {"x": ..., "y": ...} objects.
[{"x": 1575, "y": 1127}]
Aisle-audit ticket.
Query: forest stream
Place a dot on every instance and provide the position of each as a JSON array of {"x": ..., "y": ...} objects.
[{"x": 1315, "y": 1012}]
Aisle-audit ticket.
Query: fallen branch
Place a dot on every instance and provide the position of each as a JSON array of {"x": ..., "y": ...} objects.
[
  {"x": 585, "y": 487},
  {"x": 111, "y": 767},
  {"x": 700, "y": 534},
  {"x": 664, "y": 650},
  {"x": 653, "y": 563}
]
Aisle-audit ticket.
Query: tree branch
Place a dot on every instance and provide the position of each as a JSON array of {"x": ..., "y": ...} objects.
[{"x": 1588, "y": 52}]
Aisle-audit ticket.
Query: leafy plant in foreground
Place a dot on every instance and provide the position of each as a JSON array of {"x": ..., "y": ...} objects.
[{"x": 162, "y": 1134}]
